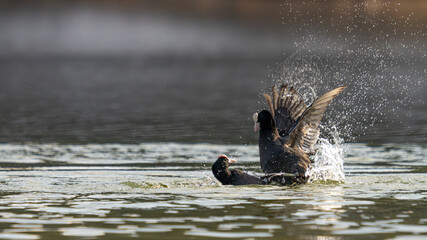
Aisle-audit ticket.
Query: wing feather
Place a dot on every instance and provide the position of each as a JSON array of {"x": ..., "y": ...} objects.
[
  {"x": 275, "y": 97},
  {"x": 286, "y": 107},
  {"x": 282, "y": 92},
  {"x": 270, "y": 103},
  {"x": 306, "y": 131}
]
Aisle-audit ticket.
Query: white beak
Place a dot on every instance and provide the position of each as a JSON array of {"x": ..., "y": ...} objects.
[
  {"x": 256, "y": 127},
  {"x": 256, "y": 123},
  {"x": 255, "y": 117},
  {"x": 230, "y": 160}
]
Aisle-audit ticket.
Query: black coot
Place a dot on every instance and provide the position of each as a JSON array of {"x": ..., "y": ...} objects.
[
  {"x": 232, "y": 176},
  {"x": 289, "y": 131}
]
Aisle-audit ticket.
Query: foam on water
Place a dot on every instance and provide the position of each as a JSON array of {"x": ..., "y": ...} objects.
[{"x": 328, "y": 160}]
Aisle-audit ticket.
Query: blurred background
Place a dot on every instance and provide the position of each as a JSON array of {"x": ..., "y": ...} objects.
[{"x": 194, "y": 70}]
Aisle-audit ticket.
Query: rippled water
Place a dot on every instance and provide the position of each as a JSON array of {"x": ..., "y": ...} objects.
[{"x": 165, "y": 191}]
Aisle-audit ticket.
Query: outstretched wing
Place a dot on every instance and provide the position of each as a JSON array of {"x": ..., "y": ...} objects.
[
  {"x": 286, "y": 107},
  {"x": 306, "y": 132}
]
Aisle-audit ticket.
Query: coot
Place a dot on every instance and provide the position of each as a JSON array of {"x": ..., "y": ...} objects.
[
  {"x": 234, "y": 176},
  {"x": 289, "y": 131}
]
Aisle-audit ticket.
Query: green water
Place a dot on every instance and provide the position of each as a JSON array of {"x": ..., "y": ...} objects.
[{"x": 167, "y": 191}]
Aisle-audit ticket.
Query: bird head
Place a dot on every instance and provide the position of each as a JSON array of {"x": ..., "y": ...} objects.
[{"x": 263, "y": 120}]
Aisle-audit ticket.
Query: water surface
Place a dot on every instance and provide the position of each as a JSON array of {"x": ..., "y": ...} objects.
[{"x": 165, "y": 191}]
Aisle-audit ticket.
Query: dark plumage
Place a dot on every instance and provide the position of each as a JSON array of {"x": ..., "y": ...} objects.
[
  {"x": 234, "y": 176},
  {"x": 289, "y": 131}
]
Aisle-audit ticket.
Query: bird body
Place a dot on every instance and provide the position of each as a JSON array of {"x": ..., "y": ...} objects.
[
  {"x": 278, "y": 157},
  {"x": 226, "y": 176},
  {"x": 289, "y": 131},
  {"x": 241, "y": 178}
]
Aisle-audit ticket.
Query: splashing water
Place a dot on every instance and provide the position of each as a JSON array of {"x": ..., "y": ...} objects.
[
  {"x": 384, "y": 73},
  {"x": 328, "y": 160},
  {"x": 384, "y": 70}
]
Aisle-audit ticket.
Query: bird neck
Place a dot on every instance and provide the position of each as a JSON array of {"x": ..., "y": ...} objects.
[
  {"x": 270, "y": 134},
  {"x": 223, "y": 175}
]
